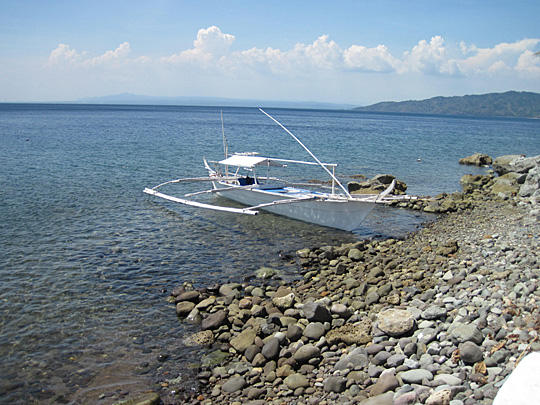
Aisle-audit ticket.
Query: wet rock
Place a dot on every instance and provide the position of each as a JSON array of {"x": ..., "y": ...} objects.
[
  {"x": 214, "y": 358},
  {"x": 184, "y": 307},
  {"x": 266, "y": 272},
  {"x": 150, "y": 398},
  {"x": 192, "y": 296},
  {"x": 203, "y": 338},
  {"x": 215, "y": 320}
]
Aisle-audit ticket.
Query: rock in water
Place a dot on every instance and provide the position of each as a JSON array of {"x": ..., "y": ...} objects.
[{"x": 476, "y": 159}]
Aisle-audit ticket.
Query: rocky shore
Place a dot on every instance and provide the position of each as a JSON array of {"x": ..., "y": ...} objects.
[{"x": 441, "y": 317}]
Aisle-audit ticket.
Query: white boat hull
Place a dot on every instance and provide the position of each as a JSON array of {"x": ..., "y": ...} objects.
[{"x": 335, "y": 213}]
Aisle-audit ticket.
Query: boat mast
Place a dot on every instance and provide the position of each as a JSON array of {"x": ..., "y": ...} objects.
[
  {"x": 334, "y": 178},
  {"x": 225, "y": 144}
]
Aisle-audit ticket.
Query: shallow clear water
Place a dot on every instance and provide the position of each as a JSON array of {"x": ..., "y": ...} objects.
[{"x": 87, "y": 259}]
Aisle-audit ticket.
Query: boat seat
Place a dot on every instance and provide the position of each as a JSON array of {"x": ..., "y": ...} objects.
[
  {"x": 271, "y": 186},
  {"x": 246, "y": 181}
]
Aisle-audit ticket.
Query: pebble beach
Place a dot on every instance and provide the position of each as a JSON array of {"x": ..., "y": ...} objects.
[{"x": 442, "y": 316}]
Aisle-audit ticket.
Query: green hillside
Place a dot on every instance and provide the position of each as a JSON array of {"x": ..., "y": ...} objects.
[{"x": 509, "y": 104}]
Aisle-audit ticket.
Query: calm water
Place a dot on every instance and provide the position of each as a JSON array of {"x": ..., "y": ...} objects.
[{"x": 87, "y": 259}]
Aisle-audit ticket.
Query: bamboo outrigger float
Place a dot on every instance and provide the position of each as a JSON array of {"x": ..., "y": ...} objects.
[{"x": 326, "y": 207}]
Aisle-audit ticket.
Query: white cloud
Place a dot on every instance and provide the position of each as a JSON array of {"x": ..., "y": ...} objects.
[
  {"x": 430, "y": 58},
  {"x": 108, "y": 57},
  {"x": 376, "y": 59},
  {"x": 529, "y": 62},
  {"x": 211, "y": 66},
  {"x": 491, "y": 59},
  {"x": 213, "y": 41},
  {"x": 62, "y": 54},
  {"x": 65, "y": 55},
  {"x": 211, "y": 51},
  {"x": 210, "y": 45}
]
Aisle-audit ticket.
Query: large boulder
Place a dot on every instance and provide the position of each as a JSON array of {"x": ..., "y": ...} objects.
[
  {"x": 515, "y": 163},
  {"x": 476, "y": 159},
  {"x": 501, "y": 164},
  {"x": 531, "y": 186},
  {"x": 474, "y": 181},
  {"x": 507, "y": 184}
]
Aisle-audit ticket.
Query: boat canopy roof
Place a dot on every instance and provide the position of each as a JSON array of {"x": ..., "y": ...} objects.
[{"x": 250, "y": 161}]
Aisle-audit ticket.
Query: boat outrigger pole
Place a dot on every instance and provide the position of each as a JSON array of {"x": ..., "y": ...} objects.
[{"x": 332, "y": 175}]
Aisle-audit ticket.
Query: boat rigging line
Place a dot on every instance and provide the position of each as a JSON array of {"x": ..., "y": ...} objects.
[{"x": 311, "y": 153}]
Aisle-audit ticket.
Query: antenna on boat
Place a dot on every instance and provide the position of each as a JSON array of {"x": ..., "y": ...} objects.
[{"x": 311, "y": 153}]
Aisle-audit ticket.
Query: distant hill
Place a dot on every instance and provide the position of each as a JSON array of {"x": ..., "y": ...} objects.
[
  {"x": 128, "y": 98},
  {"x": 509, "y": 104}
]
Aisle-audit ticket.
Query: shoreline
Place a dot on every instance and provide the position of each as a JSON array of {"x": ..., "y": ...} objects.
[{"x": 444, "y": 313}]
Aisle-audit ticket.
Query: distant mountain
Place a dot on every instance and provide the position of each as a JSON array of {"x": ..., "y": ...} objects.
[
  {"x": 128, "y": 98},
  {"x": 509, "y": 104}
]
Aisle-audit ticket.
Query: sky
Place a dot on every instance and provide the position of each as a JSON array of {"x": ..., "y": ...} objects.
[{"x": 353, "y": 51}]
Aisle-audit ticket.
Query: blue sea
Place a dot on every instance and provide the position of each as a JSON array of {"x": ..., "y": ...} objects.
[{"x": 87, "y": 260}]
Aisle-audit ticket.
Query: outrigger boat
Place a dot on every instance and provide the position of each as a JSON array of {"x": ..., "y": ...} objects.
[{"x": 261, "y": 191}]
